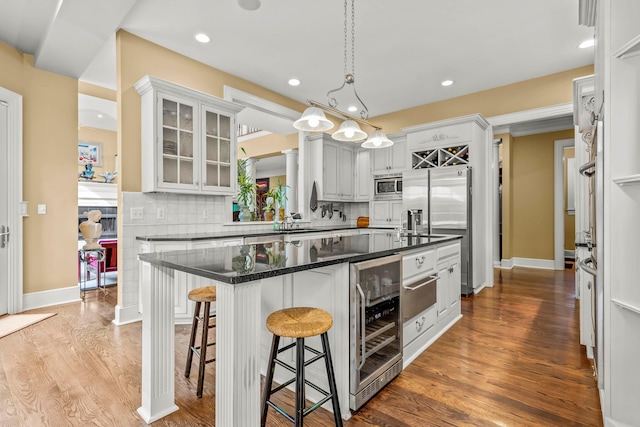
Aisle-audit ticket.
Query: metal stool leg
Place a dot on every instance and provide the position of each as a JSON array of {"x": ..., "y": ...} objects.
[
  {"x": 192, "y": 339},
  {"x": 203, "y": 347},
  {"x": 300, "y": 400},
  {"x": 266, "y": 389},
  {"x": 337, "y": 416}
]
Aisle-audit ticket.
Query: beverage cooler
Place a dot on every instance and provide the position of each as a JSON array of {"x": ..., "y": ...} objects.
[{"x": 376, "y": 327}]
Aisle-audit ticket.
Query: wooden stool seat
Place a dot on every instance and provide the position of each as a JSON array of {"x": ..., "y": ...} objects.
[
  {"x": 204, "y": 294},
  {"x": 299, "y": 322}
]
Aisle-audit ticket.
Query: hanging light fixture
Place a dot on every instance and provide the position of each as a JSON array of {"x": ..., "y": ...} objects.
[{"x": 313, "y": 118}]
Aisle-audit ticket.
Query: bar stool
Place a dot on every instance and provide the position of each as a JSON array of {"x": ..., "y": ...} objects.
[
  {"x": 299, "y": 323},
  {"x": 206, "y": 295}
]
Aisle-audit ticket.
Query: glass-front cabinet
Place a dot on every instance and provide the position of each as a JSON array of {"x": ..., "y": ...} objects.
[{"x": 188, "y": 140}]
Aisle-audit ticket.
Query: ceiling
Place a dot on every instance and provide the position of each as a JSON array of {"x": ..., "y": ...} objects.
[{"x": 403, "y": 50}]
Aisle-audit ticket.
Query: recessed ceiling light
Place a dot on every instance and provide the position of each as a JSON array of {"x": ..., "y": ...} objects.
[
  {"x": 99, "y": 116},
  {"x": 202, "y": 38},
  {"x": 447, "y": 83},
  {"x": 587, "y": 43},
  {"x": 353, "y": 108},
  {"x": 294, "y": 82}
]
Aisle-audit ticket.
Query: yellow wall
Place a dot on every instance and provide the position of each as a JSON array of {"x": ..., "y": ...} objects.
[
  {"x": 50, "y": 138},
  {"x": 267, "y": 145},
  {"x": 544, "y": 91},
  {"x": 109, "y": 141},
  {"x": 531, "y": 195}
]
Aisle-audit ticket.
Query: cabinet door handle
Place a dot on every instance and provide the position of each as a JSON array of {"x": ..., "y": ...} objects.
[
  {"x": 419, "y": 262},
  {"x": 420, "y": 324},
  {"x": 195, "y": 182}
]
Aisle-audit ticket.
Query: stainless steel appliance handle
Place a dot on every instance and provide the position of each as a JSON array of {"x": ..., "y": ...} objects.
[
  {"x": 362, "y": 320},
  {"x": 584, "y": 169},
  {"x": 429, "y": 279},
  {"x": 582, "y": 264}
]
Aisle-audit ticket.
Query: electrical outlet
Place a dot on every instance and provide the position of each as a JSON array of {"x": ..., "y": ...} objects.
[
  {"x": 137, "y": 213},
  {"x": 160, "y": 213},
  {"x": 205, "y": 213},
  {"x": 42, "y": 209}
]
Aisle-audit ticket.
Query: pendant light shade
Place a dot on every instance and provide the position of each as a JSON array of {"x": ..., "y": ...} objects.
[
  {"x": 313, "y": 120},
  {"x": 349, "y": 131},
  {"x": 377, "y": 140}
]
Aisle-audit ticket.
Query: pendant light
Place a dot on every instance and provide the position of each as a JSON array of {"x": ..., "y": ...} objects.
[
  {"x": 349, "y": 131},
  {"x": 313, "y": 118},
  {"x": 377, "y": 140}
]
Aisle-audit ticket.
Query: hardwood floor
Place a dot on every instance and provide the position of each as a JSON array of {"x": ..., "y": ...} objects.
[{"x": 513, "y": 360}]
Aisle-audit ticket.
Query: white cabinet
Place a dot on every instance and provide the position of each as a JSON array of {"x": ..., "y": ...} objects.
[
  {"x": 391, "y": 159},
  {"x": 424, "y": 328},
  {"x": 363, "y": 178},
  {"x": 617, "y": 78},
  {"x": 337, "y": 161},
  {"x": 448, "y": 290},
  {"x": 332, "y": 168},
  {"x": 385, "y": 213},
  {"x": 188, "y": 140}
]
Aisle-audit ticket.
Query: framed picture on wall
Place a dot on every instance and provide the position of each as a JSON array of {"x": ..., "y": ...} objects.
[
  {"x": 90, "y": 153},
  {"x": 263, "y": 185}
]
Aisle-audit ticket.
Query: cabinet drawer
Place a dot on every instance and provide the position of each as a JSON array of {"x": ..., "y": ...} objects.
[
  {"x": 448, "y": 251},
  {"x": 418, "y": 325},
  {"x": 418, "y": 263}
]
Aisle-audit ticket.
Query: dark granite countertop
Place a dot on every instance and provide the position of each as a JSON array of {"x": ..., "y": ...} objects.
[
  {"x": 246, "y": 263},
  {"x": 190, "y": 237}
]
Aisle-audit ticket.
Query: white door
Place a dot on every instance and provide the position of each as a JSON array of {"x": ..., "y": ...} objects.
[{"x": 4, "y": 212}]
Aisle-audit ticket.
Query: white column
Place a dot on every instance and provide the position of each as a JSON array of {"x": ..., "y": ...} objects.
[
  {"x": 250, "y": 167},
  {"x": 238, "y": 354},
  {"x": 158, "y": 357},
  {"x": 291, "y": 158}
]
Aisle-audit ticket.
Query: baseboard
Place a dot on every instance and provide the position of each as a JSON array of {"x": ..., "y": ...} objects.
[
  {"x": 546, "y": 264},
  {"x": 125, "y": 315},
  {"x": 52, "y": 297}
]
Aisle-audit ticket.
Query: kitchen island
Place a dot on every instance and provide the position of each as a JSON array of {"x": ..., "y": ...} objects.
[{"x": 240, "y": 274}]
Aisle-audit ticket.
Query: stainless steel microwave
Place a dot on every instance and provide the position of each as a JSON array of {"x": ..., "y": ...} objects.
[{"x": 387, "y": 187}]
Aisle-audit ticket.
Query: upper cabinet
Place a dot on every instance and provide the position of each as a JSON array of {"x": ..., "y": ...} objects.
[
  {"x": 332, "y": 166},
  {"x": 391, "y": 159},
  {"x": 363, "y": 179},
  {"x": 188, "y": 140}
]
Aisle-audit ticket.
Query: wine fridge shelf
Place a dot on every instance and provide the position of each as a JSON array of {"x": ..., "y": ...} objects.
[{"x": 375, "y": 339}]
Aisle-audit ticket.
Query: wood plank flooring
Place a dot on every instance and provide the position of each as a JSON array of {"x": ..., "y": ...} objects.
[{"x": 513, "y": 360}]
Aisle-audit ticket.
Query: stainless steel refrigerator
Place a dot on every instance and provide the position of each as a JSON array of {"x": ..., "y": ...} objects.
[{"x": 444, "y": 197}]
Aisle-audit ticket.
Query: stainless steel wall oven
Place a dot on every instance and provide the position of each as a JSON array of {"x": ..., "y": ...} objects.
[{"x": 376, "y": 327}]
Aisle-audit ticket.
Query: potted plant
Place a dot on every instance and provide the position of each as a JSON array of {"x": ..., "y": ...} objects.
[
  {"x": 280, "y": 196},
  {"x": 270, "y": 200},
  {"x": 246, "y": 190}
]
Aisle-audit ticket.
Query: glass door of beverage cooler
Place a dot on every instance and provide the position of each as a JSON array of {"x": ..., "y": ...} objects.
[{"x": 376, "y": 329}]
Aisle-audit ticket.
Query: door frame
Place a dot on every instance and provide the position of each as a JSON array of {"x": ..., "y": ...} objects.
[
  {"x": 16, "y": 206},
  {"x": 558, "y": 200},
  {"x": 528, "y": 122}
]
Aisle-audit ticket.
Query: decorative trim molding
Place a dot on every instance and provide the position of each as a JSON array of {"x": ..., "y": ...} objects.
[
  {"x": 15, "y": 202},
  {"x": 477, "y": 118},
  {"x": 535, "y": 114},
  {"x": 546, "y": 264},
  {"x": 51, "y": 297},
  {"x": 125, "y": 315},
  {"x": 148, "y": 82},
  {"x": 248, "y": 100}
]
